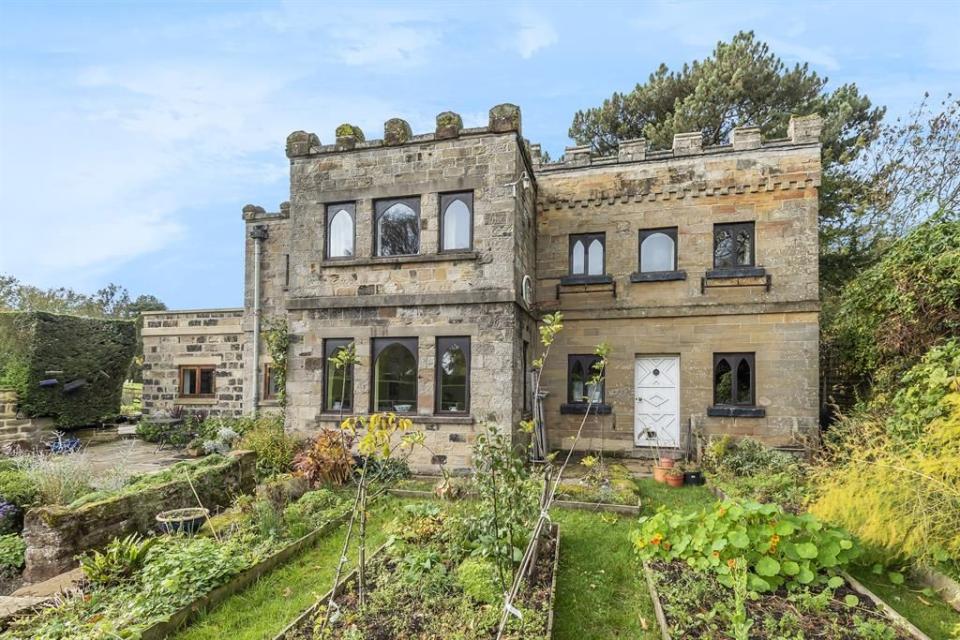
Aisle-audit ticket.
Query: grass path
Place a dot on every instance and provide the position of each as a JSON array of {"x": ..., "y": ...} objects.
[
  {"x": 930, "y": 614},
  {"x": 265, "y": 608}
]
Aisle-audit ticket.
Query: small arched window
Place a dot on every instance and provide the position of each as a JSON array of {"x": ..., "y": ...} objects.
[
  {"x": 453, "y": 375},
  {"x": 658, "y": 250},
  {"x": 340, "y": 230},
  {"x": 580, "y": 371},
  {"x": 733, "y": 379},
  {"x": 456, "y": 222},
  {"x": 586, "y": 254},
  {"x": 398, "y": 227},
  {"x": 395, "y": 374},
  {"x": 733, "y": 245}
]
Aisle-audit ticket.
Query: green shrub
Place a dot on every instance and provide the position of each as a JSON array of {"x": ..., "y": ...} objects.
[
  {"x": 118, "y": 562},
  {"x": 97, "y": 351},
  {"x": 779, "y": 548},
  {"x": 59, "y": 479},
  {"x": 919, "y": 400},
  {"x": 17, "y": 488},
  {"x": 747, "y": 468},
  {"x": 12, "y": 548},
  {"x": 274, "y": 447},
  {"x": 478, "y": 579}
]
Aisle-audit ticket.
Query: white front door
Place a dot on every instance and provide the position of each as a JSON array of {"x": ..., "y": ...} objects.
[{"x": 657, "y": 407}]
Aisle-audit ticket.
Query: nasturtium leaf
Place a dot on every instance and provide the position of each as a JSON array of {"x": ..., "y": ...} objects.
[
  {"x": 846, "y": 544},
  {"x": 739, "y": 539},
  {"x": 835, "y": 582},
  {"x": 895, "y": 577},
  {"x": 805, "y": 576},
  {"x": 851, "y": 600},
  {"x": 785, "y": 528},
  {"x": 807, "y": 550},
  {"x": 757, "y": 583},
  {"x": 767, "y": 566},
  {"x": 790, "y": 568}
]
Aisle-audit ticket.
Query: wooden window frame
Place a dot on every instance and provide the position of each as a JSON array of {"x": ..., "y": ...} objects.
[
  {"x": 267, "y": 393},
  {"x": 380, "y": 207},
  {"x": 198, "y": 369},
  {"x": 587, "y": 360},
  {"x": 587, "y": 239},
  {"x": 670, "y": 232},
  {"x": 330, "y": 347},
  {"x": 442, "y": 344},
  {"x": 331, "y": 210},
  {"x": 734, "y": 360},
  {"x": 446, "y": 199},
  {"x": 379, "y": 344},
  {"x": 735, "y": 228}
]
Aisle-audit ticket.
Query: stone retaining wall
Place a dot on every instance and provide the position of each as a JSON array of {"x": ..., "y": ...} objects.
[{"x": 55, "y": 535}]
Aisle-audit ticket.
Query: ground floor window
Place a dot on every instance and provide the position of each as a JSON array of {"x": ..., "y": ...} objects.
[
  {"x": 733, "y": 379},
  {"x": 197, "y": 382},
  {"x": 453, "y": 375},
  {"x": 270, "y": 387},
  {"x": 395, "y": 374},
  {"x": 580, "y": 369},
  {"x": 337, "y": 382}
]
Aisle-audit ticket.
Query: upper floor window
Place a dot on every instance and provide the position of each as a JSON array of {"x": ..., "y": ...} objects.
[
  {"x": 733, "y": 245},
  {"x": 580, "y": 370},
  {"x": 658, "y": 250},
  {"x": 197, "y": 382},
  {"x": 733, "y": 379},
  {"x": 453, "y": 375},
  {"x": 586, "y": 254},
  {"x": 456, "y": 221},
  {"x": 337, "y": 382},
  {"x": 270, "y": 386},
  {"x": 395, "y": 374},
  {"x": 397, "y": 227},
  {"x": 340, "y": 230}
]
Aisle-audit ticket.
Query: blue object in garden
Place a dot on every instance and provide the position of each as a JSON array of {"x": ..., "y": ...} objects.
[
  {"x": 65, "y": 445},
  {"x": 73, "y": 385},
  {"x": 49, "y": 382}
]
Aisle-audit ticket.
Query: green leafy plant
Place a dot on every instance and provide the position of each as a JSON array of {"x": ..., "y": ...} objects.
[
  {"x": 118, "y": 562},
  {"x": 779, "y": 548},
  {"x": 12, "y": 548},
  {"x": 276, "y": 336},
  {"x": 16, "y": 487},
  {"x": 275, "y": 449},
  {"x": 478, "y": 579}
]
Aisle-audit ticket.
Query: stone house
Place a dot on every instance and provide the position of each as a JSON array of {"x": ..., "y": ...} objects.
[{"x": 436, "y": 254}]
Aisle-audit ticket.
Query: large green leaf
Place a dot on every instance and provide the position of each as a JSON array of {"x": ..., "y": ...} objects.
[
  {"x": 807, "y": 550},
  {"x": 767, "y": 566}
]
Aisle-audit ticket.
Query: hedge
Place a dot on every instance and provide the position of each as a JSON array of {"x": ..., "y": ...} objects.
[{"x": 87, "y": 357}]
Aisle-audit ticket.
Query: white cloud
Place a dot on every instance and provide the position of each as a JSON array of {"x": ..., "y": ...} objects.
[
  {"x": 795, "y": 52},
  {"x": 535, "y": 32}
]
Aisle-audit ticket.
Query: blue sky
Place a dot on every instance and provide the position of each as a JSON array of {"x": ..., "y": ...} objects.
[{"x": 132, "y": 134}]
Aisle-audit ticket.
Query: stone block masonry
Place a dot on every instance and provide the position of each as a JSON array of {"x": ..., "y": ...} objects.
[{"x": 17, "y": 430}]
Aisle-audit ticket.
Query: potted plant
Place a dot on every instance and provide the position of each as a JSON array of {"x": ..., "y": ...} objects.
[
  {"x": 195, "y": 447},
  {"x": 693, "y": 476},
  {"x": 674, "y": 477},
  {"x": 659, "y": 473},
  {"x": 666, "y": 462}
]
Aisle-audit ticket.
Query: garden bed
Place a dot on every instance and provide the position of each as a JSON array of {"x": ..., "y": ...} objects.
[
  {"x": 692, "y": 604},
  {"x": 420, "y": 588}
]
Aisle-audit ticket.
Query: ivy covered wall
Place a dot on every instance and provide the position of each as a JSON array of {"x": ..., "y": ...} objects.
[{"x": 87, "y": 357}]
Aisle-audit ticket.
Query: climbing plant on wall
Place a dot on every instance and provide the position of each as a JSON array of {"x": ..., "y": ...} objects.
[{"x": 276, "y": 336}]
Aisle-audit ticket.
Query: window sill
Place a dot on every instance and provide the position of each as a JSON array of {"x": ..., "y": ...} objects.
[
  {"x": 435, "y": 418},
  {"x": 446, "y": 256},
  {"x": 722, "y": 411},
  {"x": 736, "y": 272},
  {"x": 604, "y": 279},
  {"x": 580, "y": 408},
  {"x": 658, "y": 276},
  {"x": 186, "y": 401}
]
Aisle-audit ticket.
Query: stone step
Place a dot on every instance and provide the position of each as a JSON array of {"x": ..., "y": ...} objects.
[
  {"x": 13, "y": 605},
  {"x": 51, "y": 586}
]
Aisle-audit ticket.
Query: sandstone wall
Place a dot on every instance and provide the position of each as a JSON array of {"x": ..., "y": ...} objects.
[
  {"x": 206, "y": 337},
  {"x": 55, "y": 535},
  {"x": 19, "y": 431}
]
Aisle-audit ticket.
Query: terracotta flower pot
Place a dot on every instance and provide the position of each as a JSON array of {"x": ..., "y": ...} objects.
[
  {"x": 666, "y": 463},
  {"x": 659, "y": 474},
  {"x": 675, "y": 480}
]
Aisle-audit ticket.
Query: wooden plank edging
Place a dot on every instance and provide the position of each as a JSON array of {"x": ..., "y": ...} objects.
[
  {"x": 891, "y": 614},
  {"x": 657, "y": 606},
  {"x": 212, "y": 599},
  {"x": 553, "y": 582}
]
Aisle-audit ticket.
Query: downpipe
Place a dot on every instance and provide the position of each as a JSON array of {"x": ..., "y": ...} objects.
[{"x": 258, "y": 234}]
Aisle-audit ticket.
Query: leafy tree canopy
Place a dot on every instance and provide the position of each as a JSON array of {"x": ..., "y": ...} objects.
[{"x": 112, "y": 301}]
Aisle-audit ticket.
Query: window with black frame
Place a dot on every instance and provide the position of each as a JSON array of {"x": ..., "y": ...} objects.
[
  {"x": 341, "y": 230},
  {"x": 580, "y": 370},
  {"x": 395, "y": 375},
  {"x": 337, "y": 383},
  {"x": 456, "y": 221},
  {"x": 658, "y": 250},
  {"x": 397, "y": 227},
  {"x": 733, "y": 379},
  {"x": 587, "y": 254},
  {"x": 453, "y": 375},
  {"x": 733, "y": 245}
]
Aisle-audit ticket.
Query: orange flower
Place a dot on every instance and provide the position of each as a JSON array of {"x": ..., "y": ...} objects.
[
  {"x": 715, "y": 554},
  {"x": 656, "y": 539},
  {"x": 666, "y": 546},
  {"x": 731, "y": 563},
  {"x": 722, "y": 511}
]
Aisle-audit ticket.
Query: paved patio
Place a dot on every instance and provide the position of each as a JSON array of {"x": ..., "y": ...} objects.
[{"x": 133, "y": 456}]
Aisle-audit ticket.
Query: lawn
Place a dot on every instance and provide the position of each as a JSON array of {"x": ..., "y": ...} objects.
[
  {"x": 929, "y": 613},
  {"x": 271, "y": 604}
]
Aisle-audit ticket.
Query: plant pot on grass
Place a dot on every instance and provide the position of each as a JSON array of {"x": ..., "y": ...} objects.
[
  {"x": 674, "y": 477},
  {"x": 660, "y": 474},
  {"x": 666, "y": 462},
  {"x": 694, "y": 478},
  {"x": 186, "y": 521}
]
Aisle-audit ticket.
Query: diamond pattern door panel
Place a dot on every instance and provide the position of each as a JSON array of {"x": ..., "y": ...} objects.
[{"x": 657, "y": 409}]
